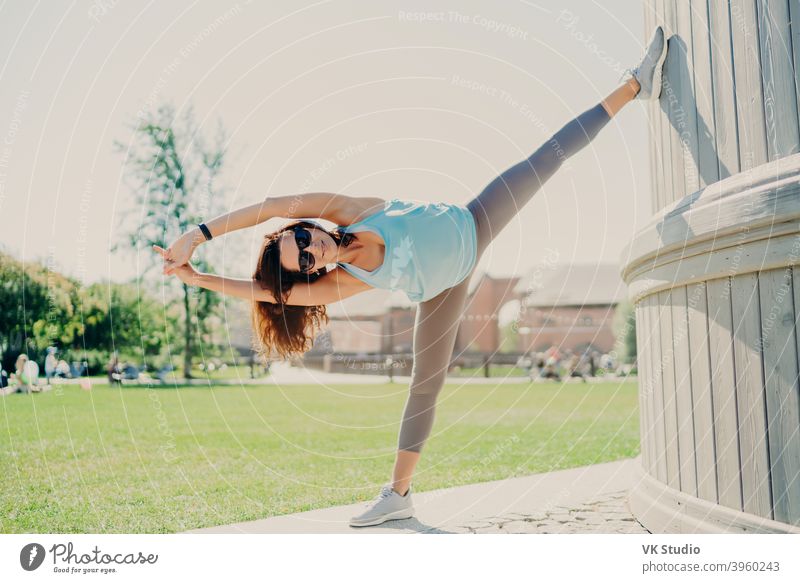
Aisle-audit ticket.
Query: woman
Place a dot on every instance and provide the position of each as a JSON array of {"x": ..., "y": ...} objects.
[
  {"x": 427, "y": 250},
  {"x": 25, "y": 376}
]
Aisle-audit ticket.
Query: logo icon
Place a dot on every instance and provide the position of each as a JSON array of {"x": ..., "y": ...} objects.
[
  {"x": 31, "y": 556},
  {"x": 401, "y": 258}
]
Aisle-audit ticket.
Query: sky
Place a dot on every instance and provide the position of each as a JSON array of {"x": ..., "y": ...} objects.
[{"x": 427, "y": 102}]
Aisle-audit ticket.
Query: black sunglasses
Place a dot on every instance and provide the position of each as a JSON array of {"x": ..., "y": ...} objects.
[{"x": 302, "y": 237}]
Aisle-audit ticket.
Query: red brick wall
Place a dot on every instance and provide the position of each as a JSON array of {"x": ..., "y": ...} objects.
[
  {"x": 479, "y": 330},
  {"x": 567, "y": 327},
  {"x": 398, "y": 329}
]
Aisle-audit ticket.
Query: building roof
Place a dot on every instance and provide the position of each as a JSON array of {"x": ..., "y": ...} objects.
[{"x": 580, "y": 284}]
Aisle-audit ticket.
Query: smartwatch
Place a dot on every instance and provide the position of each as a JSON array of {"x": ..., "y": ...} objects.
[{"x": 206, "y": 232}]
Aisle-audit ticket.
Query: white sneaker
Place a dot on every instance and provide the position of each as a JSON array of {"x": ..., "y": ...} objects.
[
  {"x": 648, "y": 72},
  {"x": 388, "y": 505}
]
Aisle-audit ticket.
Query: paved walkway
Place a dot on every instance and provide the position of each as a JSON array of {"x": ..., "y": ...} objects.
[
  {"x": 591, "y": 499},
  {"x": 282, "y": 373}
]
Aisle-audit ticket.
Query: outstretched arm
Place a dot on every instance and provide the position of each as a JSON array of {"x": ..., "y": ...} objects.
[
  {"x": 324, "y": 205},
  {"x": 340, "y": 209},
  {"x": 337, "y": 208},
  {"x": 328, "y": 289}
]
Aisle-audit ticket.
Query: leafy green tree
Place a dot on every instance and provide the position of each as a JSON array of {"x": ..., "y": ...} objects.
[
  {"x": 36, "y": 308},
  {"x": 624, "y": 327},
  {"x": 40, "y": 308},
  {"x": 120, "y": 318},
  {"x": 173, "y": 171}
]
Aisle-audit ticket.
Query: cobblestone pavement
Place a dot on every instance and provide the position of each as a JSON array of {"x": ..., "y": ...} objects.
[{"x": 607, "y": 514}]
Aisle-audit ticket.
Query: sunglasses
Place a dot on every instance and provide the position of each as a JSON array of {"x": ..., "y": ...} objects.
[{"x": 302, "y": 237}]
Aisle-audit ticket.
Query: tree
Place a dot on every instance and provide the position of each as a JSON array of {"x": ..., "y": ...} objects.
[
  {"x": 120, "y": 318},
  {"x": 36, "y": 308},
  {"x": 172, "y": 170},
  {"x": 624, "y": 327}
]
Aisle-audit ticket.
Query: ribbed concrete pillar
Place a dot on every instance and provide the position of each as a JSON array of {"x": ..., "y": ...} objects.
[{"x": 715, "y": 275}]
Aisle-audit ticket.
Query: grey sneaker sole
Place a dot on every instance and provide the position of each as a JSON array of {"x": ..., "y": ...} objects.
[
  {"x": 655, "y": 90},
  {"x": 659, "y": 74},
  {"x": 396, "y": 515}
]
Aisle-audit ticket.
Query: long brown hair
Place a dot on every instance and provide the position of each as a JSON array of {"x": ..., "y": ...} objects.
[{"x": 283, "y": 329}]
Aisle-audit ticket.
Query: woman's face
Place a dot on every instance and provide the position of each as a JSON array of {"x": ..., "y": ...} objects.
[{"x": 322, "y": 248}]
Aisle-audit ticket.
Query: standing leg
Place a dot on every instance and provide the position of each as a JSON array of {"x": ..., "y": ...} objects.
[
  {"x": 497, "y": 204},
  {"x": 435, "y": 330}
]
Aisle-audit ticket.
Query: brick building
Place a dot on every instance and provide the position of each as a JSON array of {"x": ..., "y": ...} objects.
[
  {"x": 569, "y": 306},
  {"x": 371, "y": 322},
  {"x": 479, "y": 330}
]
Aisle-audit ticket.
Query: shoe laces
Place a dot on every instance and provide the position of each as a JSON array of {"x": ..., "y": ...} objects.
[
  {"x": 632, "y": 72},
  {"x": 386, "y": 491}
]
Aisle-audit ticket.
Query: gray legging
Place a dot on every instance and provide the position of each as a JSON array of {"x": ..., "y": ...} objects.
[{"x": 437, "y": 319}]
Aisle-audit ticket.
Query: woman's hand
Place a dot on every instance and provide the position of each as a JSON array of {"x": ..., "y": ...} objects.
[
  {"x": 181, "y": 250},
  {"x": 186, "y": 273}
]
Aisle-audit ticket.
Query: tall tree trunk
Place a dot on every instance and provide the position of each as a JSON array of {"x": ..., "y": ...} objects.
[{"x": 187, "y": 351}]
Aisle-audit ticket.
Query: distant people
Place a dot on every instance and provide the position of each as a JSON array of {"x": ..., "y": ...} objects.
[
  {"x": 63, "y": 370},
  {"x": 4, "y": 381},
  {"x": 550, "y": 370},
  {"x": 26, "y": 377},
  {"x": 540, "y": 362},
  {"x": 607, "y": 363},
  {"x": 537, "y": 366},
  {"x": 162, "y": 373},
  {"x": 21, "y": 374},
  {"x": 593, "y": 356},
  {"x": 130, "y": 372},
  {"x": 114, "y": 372},
  {"x": 79, "y": 369},
  {"x": 50, "y": 363},
  {"x": 574, "y": 367}
]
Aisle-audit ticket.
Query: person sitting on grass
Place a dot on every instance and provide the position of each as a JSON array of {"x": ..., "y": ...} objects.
[{"x": 26, "y": 377}]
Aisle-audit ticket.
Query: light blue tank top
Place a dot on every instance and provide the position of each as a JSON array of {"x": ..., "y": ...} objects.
[{"x": 430, "y": 247}]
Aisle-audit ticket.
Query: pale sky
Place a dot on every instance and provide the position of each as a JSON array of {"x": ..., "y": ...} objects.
[{"x": 430, "y": 102}]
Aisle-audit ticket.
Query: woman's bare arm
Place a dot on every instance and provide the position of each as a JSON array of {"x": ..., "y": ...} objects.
[
  {"x": 246, "y": 289},
  {"x": 337, "y": 208},
  {"x": 332, "y": 287}
]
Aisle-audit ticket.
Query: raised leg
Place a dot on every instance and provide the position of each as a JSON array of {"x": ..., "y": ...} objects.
[
  {"x": 621, "y": 96},
  {"x": 504, "y": 196}
]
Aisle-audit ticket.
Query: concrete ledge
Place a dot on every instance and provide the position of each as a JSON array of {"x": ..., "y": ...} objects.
[{"x": 662, "y": 509}]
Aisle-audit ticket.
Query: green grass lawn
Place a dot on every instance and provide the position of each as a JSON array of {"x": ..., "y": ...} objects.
[
  {"x": 166, "y": 460},
  {"x": 495, "y": 370}
]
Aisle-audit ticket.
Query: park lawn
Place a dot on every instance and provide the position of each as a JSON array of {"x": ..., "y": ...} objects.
[
  {"x": 232, "y": 372},
  {"x": 495, "y": 370},
  {"x": 165, "y": 460}
]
